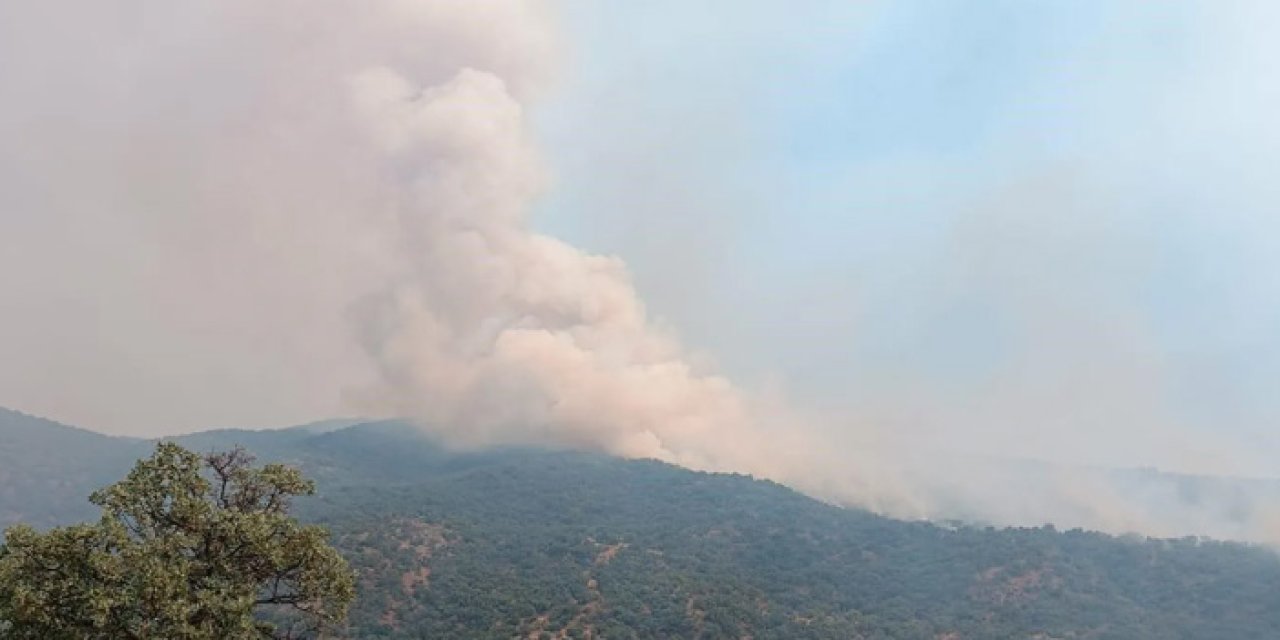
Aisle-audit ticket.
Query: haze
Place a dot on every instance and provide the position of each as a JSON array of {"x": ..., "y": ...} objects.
[{"x": 832, "y": 244}]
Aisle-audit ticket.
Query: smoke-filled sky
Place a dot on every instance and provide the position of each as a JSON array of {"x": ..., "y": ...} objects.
[
  {"x": 822, "y": 242},
  {"x": 1048, "y": 228}
]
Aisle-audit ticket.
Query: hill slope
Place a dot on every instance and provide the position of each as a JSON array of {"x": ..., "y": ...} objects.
[
  {"x": 522, "y": 543},
  {"x": 47, "y": 469}
]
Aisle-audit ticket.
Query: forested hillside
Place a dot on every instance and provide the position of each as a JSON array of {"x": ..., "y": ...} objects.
[
  {"x": 524, "y": 543},
  {"x": 47, "y": 469}
]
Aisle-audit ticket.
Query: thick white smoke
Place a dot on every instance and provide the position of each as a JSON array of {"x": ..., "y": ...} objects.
[
  {"x": 238, "y": 211},
  {"x": 494, "y": 333},
  {"x": 328, "y": 200},
  {"x": 193, "y": 197}
]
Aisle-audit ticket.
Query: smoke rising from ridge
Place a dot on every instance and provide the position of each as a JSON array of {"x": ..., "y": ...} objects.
[
  {"x": 493, "y": 329},
  {"x": 285, "y": 210},
  {"x": 334, "y": 198}
]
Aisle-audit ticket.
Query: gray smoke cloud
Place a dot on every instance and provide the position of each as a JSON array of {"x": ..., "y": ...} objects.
[
  {"x": 192, "y": 197},
  {"x": 240, "y": 212},
  {"x": 276, "y": 205}
]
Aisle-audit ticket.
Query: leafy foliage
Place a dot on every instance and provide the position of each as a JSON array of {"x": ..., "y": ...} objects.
[
  {"x": 531, "y": 543},
  {"x": 188, "y": 547}
]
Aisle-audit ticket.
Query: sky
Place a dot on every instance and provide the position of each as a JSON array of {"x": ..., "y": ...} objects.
[
  {"x": 1039, "y": 230},
  {"x": 1042, "y": 229}
]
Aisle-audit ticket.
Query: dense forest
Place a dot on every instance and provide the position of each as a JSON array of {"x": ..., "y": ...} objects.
[{"x": 543, "y": 544}]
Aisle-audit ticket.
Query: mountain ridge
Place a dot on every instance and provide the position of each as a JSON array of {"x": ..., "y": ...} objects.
[{"x": 536, "y": 543}]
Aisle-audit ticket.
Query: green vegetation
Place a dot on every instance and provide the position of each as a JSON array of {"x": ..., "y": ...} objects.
[
  {"x": 531, "y": 543},
  {"x": 187, "y": 548}
]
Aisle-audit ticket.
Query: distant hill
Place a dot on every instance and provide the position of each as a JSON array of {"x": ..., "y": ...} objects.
[
  {"x": 545, "y": 544},
  {"x": 47, "y": 469}
]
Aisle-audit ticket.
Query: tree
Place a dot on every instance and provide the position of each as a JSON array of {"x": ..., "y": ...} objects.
[{"x": 189, "y": 547}]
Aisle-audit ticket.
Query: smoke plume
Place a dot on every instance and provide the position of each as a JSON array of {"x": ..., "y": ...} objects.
[
  {"x": 237, "y": 211},
  {"x": 336, "y": 193}
]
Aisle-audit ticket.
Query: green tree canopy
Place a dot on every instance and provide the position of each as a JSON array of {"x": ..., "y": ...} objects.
[{"x": 188, "y": 547}]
